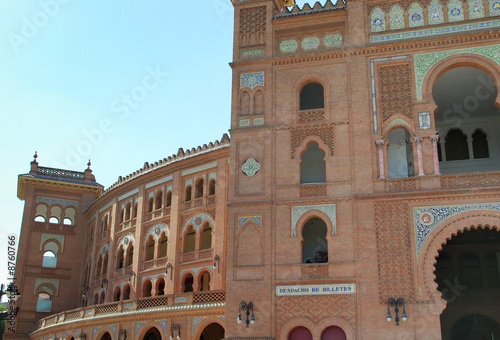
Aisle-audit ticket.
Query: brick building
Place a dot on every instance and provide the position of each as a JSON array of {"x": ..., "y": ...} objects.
[{"x": 361, "y": 184}]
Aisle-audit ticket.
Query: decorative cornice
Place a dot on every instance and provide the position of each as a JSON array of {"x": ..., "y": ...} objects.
[{"x": 24, "y": 180}]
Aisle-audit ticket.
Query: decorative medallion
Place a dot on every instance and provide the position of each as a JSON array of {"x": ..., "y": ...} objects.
[
  {"x": 332, "y": 40},
  {"x": 310, "y": 43},
  {"x": 494, "y": 7},
  {"x": 435, "y": 13},
  {"x": 126, "y": 240},
  {"x": 250, "y": 167},
  {"x": 288, "y": 46},
  {"x": 476, "y": 9},
  {"x": 378, "y": 20},
  {"x": 455, "y": 11},
  {"x": 397, "y": 20},
  {"x": 197, "y": 220},
  {"x": 157, "y": 231},
  {"x": 252, "y": 80},
  {"x": 416, "y": 14},
  {"x": 424, "y": 120}
]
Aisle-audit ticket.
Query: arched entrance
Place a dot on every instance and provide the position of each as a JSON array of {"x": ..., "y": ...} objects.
[
  {"x": 467, "y": 120},
  {"x": 468, "y": 277},
  {"x": 214, "y": 331},
  {"x": 106, "y": 336},
  {"x": 300, "y": 333},
  {"x": 333, "y": 333},
  {"x": 152, "y": 334}
]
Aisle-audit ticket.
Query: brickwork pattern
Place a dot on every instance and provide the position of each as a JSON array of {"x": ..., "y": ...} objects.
[
  {"x": 313, "y": 190},
  {"x": 316, "y": 308},
  {"x": 393, "y": 244},
  {"x": 307, "y": 116},
  {"x": 325, "y": 133},
  {"x": 314, "y": 271},
  {"x": 470, "y": 180},
  {"x": 157, "y": 301},
  {"x": 206, "y": 297},
  {"x": 252, "y": 22},
  {"x": 395, "y": 90}
]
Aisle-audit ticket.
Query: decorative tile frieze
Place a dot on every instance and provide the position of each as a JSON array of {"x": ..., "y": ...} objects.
[
  {"x": 396, "y": 18},
  {"x": 378, "y": 20},
  {"x": 476, "y": 9},
  {"x": 494, "y": 7},
  {"x": 310, "y": 43},
  {"x": 332, "y": 40},
  {"x": 416, "y": 15},
  {"x": 426, "y": 219},
  {"x": 253, "y": 53},
  {"x": 455, "y": 11},
  {"x": 244, "y": 122},
  {"x": 51, "y": 201},
  {"x": 287, "y": 46},
  {"x": 258, "y": 121},
  {"x": 244, "y": 219},
  {"x": 328, "y": 209}
]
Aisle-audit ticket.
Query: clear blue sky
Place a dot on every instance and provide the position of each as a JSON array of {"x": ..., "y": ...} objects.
[{"x": 120, "y": 82}]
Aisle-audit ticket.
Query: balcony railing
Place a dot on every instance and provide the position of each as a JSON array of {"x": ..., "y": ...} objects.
[
  {"x": 193, "y": 299},
  {"x": 60, "y": 173},
  {"x": 196, "y": 255},
  {"x": 156, "y": 263}
]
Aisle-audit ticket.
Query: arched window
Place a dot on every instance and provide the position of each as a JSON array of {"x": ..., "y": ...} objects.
[
  {"x": 455, "y": 145},
  {"x": 122, "y": 215},
  {"x": 206, "y": 237},
  {"x": 492, "y": 269},
  {"x": 150, "y": 248},
  {"x": 67, "y": 221},
  {"x": 190, "y": 240},
  {"x": 119, "y": 258},
  {"x": 258, "y": 102},
  {"x": 188, "y": 193},
  {"x": 211, "y": 188},
  {"x": 103, "y": 297},
  {"x": 300, "y": 333},
  {"x": 105, "y": 264},
  {"x": 199, "y": 188},
  {"x": 244, "y": 103},
  {"x": 50, "y": 255},
  {"x": 150, "y": 204},
  {"x": 99, "y": 266},
  {"x": 160, "y": 287},
  {"x": 96, "y": 299},
  {"x": 312, "y": 97},
  {"x": 53, "y": 220},
  {"x": 315, "y": 245},
  {"x": 130, "y": 255},
  {"x": 44, "y": 301},
  {"x": 152, "y": 334},
  {"x": 69, "y": 216},
  {"x": 146, "y": 288},
  {"x": 39, "y": 219},
  {"x": 169, "y": 199},
  {"x": 163, "y": 245},
  {"x": 400, "y": 154},
  {"x": 134, "y": 215},
  {"x": 205, "y": 281},
  {"x": 188, "y": 284},
  {"x": 127, "y": 211},
  {"x": 470, "y": 270},
  {"x": 159, "y": 198},
  {"x": 313, "y": 166},
  {"x": 126, "y": 292},
  {"x": 480, "y": 144},
  {"x": 55, "y": 214},
  {"x": 41, "y": 213},
  {"x": 117, "y": 294},
  {"x": 445, "y": 274}
]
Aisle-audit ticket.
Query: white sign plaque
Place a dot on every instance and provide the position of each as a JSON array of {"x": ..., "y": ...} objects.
[{"x": 343, "y": 288}]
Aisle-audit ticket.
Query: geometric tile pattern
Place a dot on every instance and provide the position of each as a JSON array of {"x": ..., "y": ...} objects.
[
  {"x": 198, "y": 220},
  {"x": 416, "y": 15},
  {"x": 252, "y": 22},
  {"x": 396, "y": 18},
  {"x": 373, "y": 87},
  {"x": 424, "y": 120},
  {"x": 256, "y": 219},
  {"x": 378, "y": 20},
  {"x": 393, "y": 244},
  {"x": 423, "y": 62},
  {"x": 395, "y": 90},
  {"x": 46, "y": 237},
  {"x": 51, "y": 201},
  {"x": 287, "y": 46},
  {"x": 196, "y": 321},
  {"x": 476, "y": 9},
  {"x": 426, "y": 219},
  {"x": 310, "y": 43},
  {"x": 494, "y": 7},
  {"x": 436, "y": 15},
  {"x": 252, "y": 80},
  {"x": 316, "y": 308},
  {"x": 455, "y": 11},
  {"x": 332, "y": 40}
]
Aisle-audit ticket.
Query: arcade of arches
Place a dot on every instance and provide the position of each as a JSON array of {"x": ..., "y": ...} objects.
[{"x": 467, "y": 273}]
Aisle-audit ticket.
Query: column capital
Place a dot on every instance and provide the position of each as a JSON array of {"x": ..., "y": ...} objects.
[
  {"x": 418, "y": 140},
  {"x": 380, "y": 142},
  {"x": 434, "y": 138}
]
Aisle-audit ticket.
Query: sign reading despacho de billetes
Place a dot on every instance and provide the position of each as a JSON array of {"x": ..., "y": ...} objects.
[{"x": 344, "y": 288}]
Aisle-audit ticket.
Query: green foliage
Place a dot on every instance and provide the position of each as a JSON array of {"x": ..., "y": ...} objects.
[{"x": 2, "y": 322}]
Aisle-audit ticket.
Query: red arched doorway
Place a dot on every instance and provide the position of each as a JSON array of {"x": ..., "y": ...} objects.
[
  {"x": 300, "y": 333},
  {"x": 214, "y": 331},
  {"x": 333, "y": 333}
]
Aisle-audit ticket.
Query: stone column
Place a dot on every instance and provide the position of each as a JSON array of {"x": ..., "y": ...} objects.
[
  {"x": 420, "y": 160},
  {"x": 435, "y": 140},
  {"x": 380, "y": 147}
]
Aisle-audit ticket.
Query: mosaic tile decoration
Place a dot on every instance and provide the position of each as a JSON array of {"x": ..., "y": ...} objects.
[
  {"x": 416, "y": 15},
  {"x": 104, "y": 248},
  {"x": 113, "y": 328},
  {"x": 46, "y": 237},
  {"x": 436, "y": 15},
  {"x": 252, "y": 53},
  {"x": 396, "y": 18},
  {"x": 244, "y": 122},
  {"x": 378, "y": 20},
  {"x": 310, "y": 43},
  {"x": 494, "y": 7},
  {"x": 51, "y": 201},
  {"x": 258, "y": 121},
  {"x": 476, "y": 9},
  {"x": 398, "y": 121},
  {"x": 138, "y": 326},
  {"x": 436, "y": 31},
  {"x": 455, "y": 11},
  {"x": 96, "y": 329},
  {"x": 423, "y": 62},
  {"x": 196, "y": 270},
  {"x": 251, "y": 80},
  {"x": 163, "y": 324},
  {"x": 288, "y": 46},
  {"x": 196, "y": 321},
  {"x": 332, "y": 40},
  {"x": 256, "y": 219},
  {"x": 157, "y": 230},
  {"x": 374, "y": 90},
  {"x": 250, "y": 167},
  {"x": 64, "y": 335},
  {"x": 41, "y": 281},
  {"x": 223, "y": 317},
  {"x": 426, "y": 219},
  {"x": 124, "y": 241},
  {"x": 424, "y": 120},
  {"x": 328, "y": 209},
  {"x": 77, "y": 333},
  {"x": 198, "y": 220}
]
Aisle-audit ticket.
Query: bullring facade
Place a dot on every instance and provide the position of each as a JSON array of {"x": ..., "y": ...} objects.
[{"x": 361, "y": 184}]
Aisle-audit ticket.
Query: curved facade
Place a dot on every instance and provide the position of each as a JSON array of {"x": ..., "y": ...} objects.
[{"x": 359, "y": 197}]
